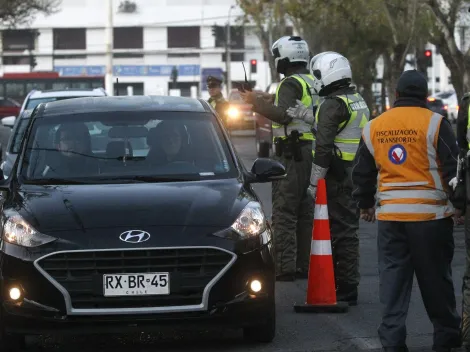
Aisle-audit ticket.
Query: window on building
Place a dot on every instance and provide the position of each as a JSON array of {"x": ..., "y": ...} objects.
[
  {"x": 16, "y": 60},
  {"x": 236, "y": 57},
  {"x": 184, "y": 37},
  {"x": 69, "y": 38},
  {"x": 237, "y": 37},
  {"x": 19, "y": 39},
  {"x": 182, "y": 55},
  {"x": 128, "y": 56},
  {"x": 128, "y": 38}
]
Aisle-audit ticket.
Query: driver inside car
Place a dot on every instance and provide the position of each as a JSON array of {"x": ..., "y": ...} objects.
[
  {"x": 75, "y": 156},
  {"x": 168, "y": 143}
]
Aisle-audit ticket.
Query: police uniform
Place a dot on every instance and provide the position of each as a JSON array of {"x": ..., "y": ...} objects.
[
  {"x": 218, "y": 102},
  {"x": 338, "y": 124},
  {"x": 406, "y": 158},
  {"x": 463, "y": 139},
  {"x": 292, "y": 214}
]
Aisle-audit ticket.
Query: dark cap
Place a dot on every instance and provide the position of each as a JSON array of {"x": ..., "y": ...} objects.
[
  {"x": 412, "y": 84},
  {"x": 214, "y": 80}
]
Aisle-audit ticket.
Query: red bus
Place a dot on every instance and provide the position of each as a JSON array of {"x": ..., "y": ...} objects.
[{"x": 18, "y": 85}]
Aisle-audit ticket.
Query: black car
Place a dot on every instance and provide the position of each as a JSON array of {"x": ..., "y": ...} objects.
[
  {"x": 437, "y": 105},
  {"x": 132, "y": 213}
]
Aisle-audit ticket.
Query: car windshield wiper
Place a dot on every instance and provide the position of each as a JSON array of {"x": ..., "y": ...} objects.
[
  {"x": 55, "y": 181},
  {"x": 150, "y": 179}
]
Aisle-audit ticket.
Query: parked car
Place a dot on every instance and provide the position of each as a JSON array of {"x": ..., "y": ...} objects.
[
  {"x": 437, "y": 105},
  {"x": 263, "y": 129},
  {"x": 240, "y": 115},
  {"x": 35, "y": 97},
  {"x": 19, "y": 124},
  {"x": 153, "y": 222},
  {"x": 450, "y": 99},
  {"x": 9, "y": 107}
]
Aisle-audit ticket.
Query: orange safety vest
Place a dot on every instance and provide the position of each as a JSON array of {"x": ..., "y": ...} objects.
[{"x": 403, "y": 142}]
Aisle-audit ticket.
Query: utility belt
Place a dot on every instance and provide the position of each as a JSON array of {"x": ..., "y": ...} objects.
[{"x": 290, "y": 147}]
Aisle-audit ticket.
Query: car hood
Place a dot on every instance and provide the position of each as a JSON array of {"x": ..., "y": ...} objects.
[{"x": 215, "y": 203}]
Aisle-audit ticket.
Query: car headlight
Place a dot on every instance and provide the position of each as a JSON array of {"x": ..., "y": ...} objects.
[
  {"x": 233, "y": 112},
  {"x": 251, "y": 221},
  {"x": 17, "y": 231}
]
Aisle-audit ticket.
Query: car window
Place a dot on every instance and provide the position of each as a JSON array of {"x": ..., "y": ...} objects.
[
  {"x": 32, "y": 103},
  {"x": 18, "y": 135},
  {"x": 123, "y": 146}
]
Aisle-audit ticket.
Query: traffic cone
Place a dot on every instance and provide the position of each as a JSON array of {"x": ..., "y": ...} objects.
[{"x": 321, "y": 287}]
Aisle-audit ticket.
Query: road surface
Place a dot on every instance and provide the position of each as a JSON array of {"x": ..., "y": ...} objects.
[{"x": 353, "y": 331}]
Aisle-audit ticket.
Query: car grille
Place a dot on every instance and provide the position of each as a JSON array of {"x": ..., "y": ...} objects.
[{"x": 81, "y": 274}]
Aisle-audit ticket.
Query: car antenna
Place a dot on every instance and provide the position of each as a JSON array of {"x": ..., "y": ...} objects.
[{"x": 117, "y": 87}]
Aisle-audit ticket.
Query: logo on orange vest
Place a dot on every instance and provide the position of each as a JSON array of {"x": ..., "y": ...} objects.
[{"x": 397, "y": 154}]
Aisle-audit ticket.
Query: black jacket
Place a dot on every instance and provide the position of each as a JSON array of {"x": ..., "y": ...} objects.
[
  {"x": 289, "y": 92},
  {"x": 333, "y": 111},
  {"x": 364, "y": 174}
]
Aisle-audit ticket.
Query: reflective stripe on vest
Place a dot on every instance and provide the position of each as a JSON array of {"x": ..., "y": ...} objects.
[
  {"x": 347, "y": 141},
  {"x": 309, "y": 99},
  {"x": 468, "y": 126},
  {"x": 403, "y": 142}
]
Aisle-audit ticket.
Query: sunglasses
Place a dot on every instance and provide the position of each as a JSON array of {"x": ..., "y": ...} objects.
[{"x": 213, "y": 85}]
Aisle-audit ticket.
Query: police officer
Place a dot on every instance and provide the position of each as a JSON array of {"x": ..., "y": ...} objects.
[
  {"x": 410, "y": 154},
  {"x": 292, "y": 207},
  {"x": 217, "y": 100},
  {"x": 338, "y": 124},
  {"x": 463, "y": 139}
]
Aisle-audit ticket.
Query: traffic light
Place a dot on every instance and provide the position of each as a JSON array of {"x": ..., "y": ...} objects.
[
  {"x": 32, "y": 61},
  {"x": 253, "y": 66},
  {"x": 214, "y": 31},
  {"x": 428, "y": 58},
  {"x": 174, "y": 75}
]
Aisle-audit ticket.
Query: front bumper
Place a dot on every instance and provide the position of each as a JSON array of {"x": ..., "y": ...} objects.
[{"x": 48, "y": 307}]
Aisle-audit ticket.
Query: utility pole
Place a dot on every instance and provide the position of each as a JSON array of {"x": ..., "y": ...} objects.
[
  {"x": 433, "y": 70},
  {"x": 109, "y": 49},
  {"x": 228, "y": 54}
]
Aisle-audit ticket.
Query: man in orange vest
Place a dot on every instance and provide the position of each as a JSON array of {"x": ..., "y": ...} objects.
[{"x": 410, "y": 154}]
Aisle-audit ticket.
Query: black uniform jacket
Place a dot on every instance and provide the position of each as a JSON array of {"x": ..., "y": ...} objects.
[{"x": 364, "y": 175}]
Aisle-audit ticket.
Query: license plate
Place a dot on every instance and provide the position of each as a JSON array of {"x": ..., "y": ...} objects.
[{"x": 136, "y": 284}]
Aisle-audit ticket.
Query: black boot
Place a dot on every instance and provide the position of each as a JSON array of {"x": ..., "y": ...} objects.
[{"x": 347, "y": 293}]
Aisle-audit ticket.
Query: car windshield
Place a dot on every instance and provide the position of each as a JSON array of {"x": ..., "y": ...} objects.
[
  {"x": 32, "y": 103},
  {"x": 126, "y": 147}
]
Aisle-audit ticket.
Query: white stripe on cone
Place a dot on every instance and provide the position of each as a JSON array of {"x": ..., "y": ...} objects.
[
  {"x": 320, "y": 247},
  {"x": 321, "y": 212}
]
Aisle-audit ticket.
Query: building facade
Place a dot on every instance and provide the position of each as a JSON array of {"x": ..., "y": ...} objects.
[{"x": 150, "y": 38}]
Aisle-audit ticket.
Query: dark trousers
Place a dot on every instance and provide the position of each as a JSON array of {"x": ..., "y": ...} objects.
[
  {"x": 466, "y": 285},
  {"x": 344, "y": 225},
  {"x": 292, "y": 217},
  {"x": 426, "y": 249}
]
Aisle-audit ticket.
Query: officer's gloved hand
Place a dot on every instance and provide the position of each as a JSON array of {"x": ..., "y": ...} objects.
[
  {"x": 300, "y": 112},
  {"x": 312, "y": 191}
]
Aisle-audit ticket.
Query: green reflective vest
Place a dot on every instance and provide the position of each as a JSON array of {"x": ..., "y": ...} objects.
[
  {"x": 347, "y": 141},
  {"x": 309, "y": 99},
  {"x": 468, "y": 126}
]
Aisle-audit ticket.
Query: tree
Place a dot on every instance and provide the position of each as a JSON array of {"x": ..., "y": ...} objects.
[
  {"x": 448, "y": 15},
  {"x": 269, "y": 20},
  {"x": 16, "y": 12}
]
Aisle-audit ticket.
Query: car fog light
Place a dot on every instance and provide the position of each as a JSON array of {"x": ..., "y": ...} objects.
[
  {"x": 15, "y": 293},
  {"x": 255, "y": 286}
]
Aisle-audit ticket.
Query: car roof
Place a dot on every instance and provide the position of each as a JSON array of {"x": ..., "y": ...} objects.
[
  {"x": 124, "y": 103},
  {"x": 98, "y": 92}
]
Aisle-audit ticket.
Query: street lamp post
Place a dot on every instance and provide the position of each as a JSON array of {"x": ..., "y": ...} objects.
[
  {"x": 228, "y": 52},
  {"x": 109, "y": 49}
]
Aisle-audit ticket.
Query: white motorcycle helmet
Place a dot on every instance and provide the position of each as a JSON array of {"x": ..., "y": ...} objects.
[
  {"x": 329, "y": 67},
  {"x": 289, "y": 49}
]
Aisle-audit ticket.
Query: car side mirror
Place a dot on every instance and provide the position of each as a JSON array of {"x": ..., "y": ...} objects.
[
  {"x": 266, "y": 170},
  {"x": 9, "y": 121}
]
